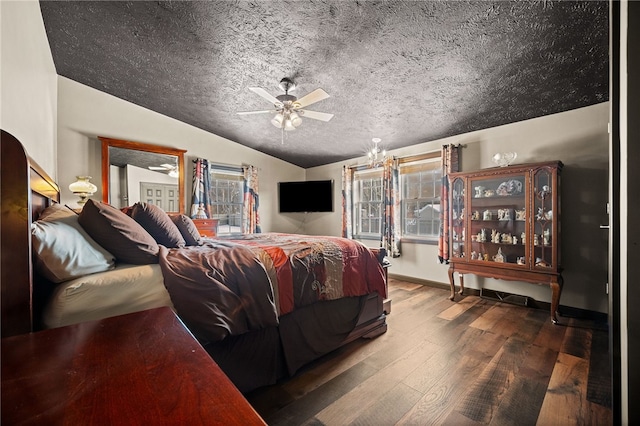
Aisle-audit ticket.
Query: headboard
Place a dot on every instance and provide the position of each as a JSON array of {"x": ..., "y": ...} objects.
[{"x": 25, "y": 190}]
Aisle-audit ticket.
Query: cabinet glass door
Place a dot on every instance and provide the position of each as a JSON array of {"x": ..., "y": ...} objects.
[
  {"x": 457, "y": 233},
  {"x": 498, "y": 224},
  {"x": 543, "y": 238}
]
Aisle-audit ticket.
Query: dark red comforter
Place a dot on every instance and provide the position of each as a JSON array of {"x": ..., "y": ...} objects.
[{"x": 231, "y": 286}]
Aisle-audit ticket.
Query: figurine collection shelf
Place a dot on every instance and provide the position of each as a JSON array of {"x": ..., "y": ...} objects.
[{"x": 504, "y": 223}]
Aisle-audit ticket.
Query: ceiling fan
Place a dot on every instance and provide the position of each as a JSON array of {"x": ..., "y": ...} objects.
[
  {"x": 170, "y": 169},
  {"x": 288, "y": 109}
]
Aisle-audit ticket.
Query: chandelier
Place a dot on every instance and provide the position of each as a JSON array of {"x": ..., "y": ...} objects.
[{"x": 376, "y": 155}]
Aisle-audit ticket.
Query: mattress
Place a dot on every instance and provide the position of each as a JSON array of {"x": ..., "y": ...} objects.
[{"x": 125, "y": 289}]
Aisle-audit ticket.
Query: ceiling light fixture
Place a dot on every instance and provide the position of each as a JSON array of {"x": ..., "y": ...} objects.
[
  {"x": 376, "y": 155},
  {"x": 288, "y": 108},
  {"x": 287, "y": 118}
]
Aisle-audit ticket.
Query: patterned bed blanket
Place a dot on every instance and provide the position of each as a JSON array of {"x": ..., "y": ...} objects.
[{"x": 230, "y": 286}]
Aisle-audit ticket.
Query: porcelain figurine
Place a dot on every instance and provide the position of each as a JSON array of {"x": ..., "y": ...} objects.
[
  {"x": 499, "y": 257},
  {"x": 479, "y": 191},
  {"x": 520, "y": 215},
  {"x": 486, "y": 215}
]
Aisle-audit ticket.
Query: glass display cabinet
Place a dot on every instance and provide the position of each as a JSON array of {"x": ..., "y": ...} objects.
[{"x": 505, "y": 224}]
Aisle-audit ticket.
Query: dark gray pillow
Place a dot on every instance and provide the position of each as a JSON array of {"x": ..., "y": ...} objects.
[
  {"x": 158, "y": 223},
  {"x": 187, "y": 229},
  {"x": 122, "y": 236}
]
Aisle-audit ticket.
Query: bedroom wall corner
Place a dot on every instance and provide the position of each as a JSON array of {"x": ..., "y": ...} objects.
[
  {"x": 579, "y": 139},
  {"x": 28, "y": 82},
  {"x": 85, "y": 113}
]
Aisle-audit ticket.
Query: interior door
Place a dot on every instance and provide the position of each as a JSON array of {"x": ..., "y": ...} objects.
[{"x": 164, "y": 196}]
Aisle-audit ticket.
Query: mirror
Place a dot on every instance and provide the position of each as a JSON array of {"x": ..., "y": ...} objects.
[{"x": 135, "y": 171}]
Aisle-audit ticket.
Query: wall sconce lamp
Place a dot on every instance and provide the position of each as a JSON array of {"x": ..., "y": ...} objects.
[{"x": 83, "y": 188}]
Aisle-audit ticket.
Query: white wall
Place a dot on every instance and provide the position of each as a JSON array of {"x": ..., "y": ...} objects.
[
  {"x": 28, "y": 81},
  {"x": 85, "y": 113},
  {"x": 579, "y": 139}
]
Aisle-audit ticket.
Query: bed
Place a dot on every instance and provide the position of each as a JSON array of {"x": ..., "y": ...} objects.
[{"x": 262, "y": 305}]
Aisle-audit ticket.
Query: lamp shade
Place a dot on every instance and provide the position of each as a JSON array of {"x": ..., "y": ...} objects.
[
  {"x": 295, "y": 119},
  {"x": 83, "y": 188},
  {"x": 277, "y": 121}
]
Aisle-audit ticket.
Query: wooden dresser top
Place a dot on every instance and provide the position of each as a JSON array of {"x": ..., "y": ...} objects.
[{"x": 141, "y": 368}]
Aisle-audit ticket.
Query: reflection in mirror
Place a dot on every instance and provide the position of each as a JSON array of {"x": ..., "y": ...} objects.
[{"x": 133, "y": 171}]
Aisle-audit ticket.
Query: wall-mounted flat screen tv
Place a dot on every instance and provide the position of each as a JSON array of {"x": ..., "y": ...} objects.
[{"x": 305, "y": 196}]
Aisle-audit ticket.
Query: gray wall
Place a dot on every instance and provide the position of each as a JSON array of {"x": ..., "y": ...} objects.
[{"x": 579, "y": 139}]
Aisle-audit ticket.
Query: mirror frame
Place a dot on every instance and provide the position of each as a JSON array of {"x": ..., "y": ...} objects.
[{"x": 139, "y": 146}]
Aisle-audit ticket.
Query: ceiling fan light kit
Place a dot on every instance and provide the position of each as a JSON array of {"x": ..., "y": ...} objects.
[
  {"x": 170, "y": 169},
  {"x": 288, "y": 108}
]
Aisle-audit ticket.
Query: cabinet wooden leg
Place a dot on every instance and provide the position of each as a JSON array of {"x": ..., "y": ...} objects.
[
  {"x": 452, "y": 284},
  {"x": 556, "y": 289},
  {"x": 461, "y": 283}
]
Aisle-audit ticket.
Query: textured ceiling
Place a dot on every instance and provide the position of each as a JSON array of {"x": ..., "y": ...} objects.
[{"x": 404, "y": 71}]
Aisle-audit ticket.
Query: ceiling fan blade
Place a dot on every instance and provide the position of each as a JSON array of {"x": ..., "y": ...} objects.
[
  {"x": 261, "y": 92},
  {"x": 157, "y": 168},
  {"x": 311, "y": 98},
  {"x": 322, "y": 116},
  {"x": 272, "y": 111}
]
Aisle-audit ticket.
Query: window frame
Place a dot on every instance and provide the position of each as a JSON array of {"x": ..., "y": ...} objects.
[
  {"x": 434, "y": 160},
  {"x": 238, "y": 176},
  {"x": 360, "y": 175}
]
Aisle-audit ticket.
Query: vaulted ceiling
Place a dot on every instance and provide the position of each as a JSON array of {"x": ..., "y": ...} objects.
[{"x": 403, "y": 71}]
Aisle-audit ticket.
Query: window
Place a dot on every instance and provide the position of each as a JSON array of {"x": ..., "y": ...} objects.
[
  {"x": 421, "y": 181},
  {"x": 227, "y": 192},
  {"x": 420, "y": 189},
  {"x": 367, "y": 203}
]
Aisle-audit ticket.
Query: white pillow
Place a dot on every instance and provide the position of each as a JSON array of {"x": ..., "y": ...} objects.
[{"x": 63, "y": 250}]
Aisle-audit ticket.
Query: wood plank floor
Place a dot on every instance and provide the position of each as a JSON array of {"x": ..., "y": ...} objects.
[{"x": 473, "y": 362}]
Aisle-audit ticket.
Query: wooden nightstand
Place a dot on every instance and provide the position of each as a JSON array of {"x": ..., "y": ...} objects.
[
  {"x": 207, "y": 227},
  {"x": 140, "y": 368}
]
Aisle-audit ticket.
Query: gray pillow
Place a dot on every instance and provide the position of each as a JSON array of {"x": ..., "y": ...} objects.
[
  {"x": 158, "y": 223},
  {"x": 118, "y": 233},
  {"x": 63, "y": 250}
]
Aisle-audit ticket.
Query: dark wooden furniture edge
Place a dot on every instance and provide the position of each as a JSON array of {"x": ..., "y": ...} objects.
[
  {"x": 26, "y": 190},
  {"x": 139, "y": 368}
]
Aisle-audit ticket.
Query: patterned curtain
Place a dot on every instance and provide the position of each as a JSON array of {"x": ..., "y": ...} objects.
[
  {"x": 200, "y": 205},
  {"x": 391, "y": 208},
  {"x": 347, "y": 202},
  {"x": 251, "y": 201},
  {"x": 450, "y": 164}
]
